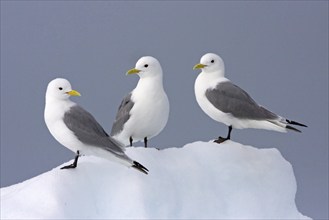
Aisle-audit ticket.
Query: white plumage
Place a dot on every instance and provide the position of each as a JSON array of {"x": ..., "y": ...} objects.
[
  {"x": 144, "y": 112},
  {"x": 77, "y": 129},
  {"x": 227, "y": 103}
]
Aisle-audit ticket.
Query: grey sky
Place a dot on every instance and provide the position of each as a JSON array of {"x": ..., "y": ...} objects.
[{"x": 276, "y": 51}]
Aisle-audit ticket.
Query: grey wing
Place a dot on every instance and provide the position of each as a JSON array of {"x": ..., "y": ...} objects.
[
  {"x": 89, "y": 131},
  {"x": 123, "y": 114},
  {"x": 230, "y": 98}
]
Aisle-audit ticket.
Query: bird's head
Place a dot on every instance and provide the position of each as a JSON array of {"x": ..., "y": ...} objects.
[
  {"x": 60, "y": 88},
  {"x": 147, "y": 67},
  {"x": 210, "y": 62}
]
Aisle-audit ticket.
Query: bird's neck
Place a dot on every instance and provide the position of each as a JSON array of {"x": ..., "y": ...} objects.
[
  {"x": 150, "y": 83},
  {"x": 207, "y": 80},
  {"x": 58, "y": 104},
  {"x": 212, "y": 76},
  {"x": 216, "y": 74}
]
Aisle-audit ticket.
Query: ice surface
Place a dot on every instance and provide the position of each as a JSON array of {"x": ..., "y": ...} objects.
[{"x": 201, "y": 180}]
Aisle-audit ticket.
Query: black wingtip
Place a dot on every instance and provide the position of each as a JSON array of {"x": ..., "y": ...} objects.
[
  {"x": 140, "y": 167},
  {"x": 295, "y": 123},
  {"x": 292, "y": 128}
]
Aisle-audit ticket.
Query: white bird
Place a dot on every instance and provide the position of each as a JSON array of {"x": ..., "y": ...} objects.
[
  {"x": 144, "y": 112},
  {"x": 77, "y": 129},
  {"x": 227, "y": 103}
]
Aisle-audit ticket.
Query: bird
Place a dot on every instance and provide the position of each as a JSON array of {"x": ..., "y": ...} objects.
[
  {"x": 144, "y": 112},
  {"x": 227, "y": 103},
  {"x": 76, "y": 129}
]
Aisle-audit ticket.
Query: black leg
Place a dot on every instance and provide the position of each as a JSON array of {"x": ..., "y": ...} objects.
[
  {"x": 131, "y": 141},
  {"x": 229, "y": 132},
  {"x": 74, "y": 164},
  {"x": 221, "y": 139},
  {"x": 145, "y": 142}
]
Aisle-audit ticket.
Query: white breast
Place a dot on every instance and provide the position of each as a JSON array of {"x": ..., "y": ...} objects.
[
  {"x": 54, "y": 114},
  {"x": 202, "y": 83},
  {"x": 149, "y": 114}
]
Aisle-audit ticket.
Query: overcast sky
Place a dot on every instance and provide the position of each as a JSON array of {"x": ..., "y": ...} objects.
[{"x": 276, "y": 51}]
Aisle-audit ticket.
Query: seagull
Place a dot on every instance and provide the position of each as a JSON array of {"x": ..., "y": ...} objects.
[
  {"x": 77, "y": 129},
  {"x": 227, "y": 103},
  {"x": 144, "y": 112}
]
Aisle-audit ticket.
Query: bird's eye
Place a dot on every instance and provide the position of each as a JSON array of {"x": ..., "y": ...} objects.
[
  {"x": 146, "y": 65},
  {"x": 212, "y": 61},
  {"x": 60, "y": 88}
]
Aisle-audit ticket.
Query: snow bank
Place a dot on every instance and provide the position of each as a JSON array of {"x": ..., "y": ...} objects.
[{"x": 200, "y": 180}]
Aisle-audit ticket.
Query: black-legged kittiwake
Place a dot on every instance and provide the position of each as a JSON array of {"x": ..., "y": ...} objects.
[
  {"x": 77, "y": 129},
  {"x": 227, "y": 103},
  {"x": 144, "y": 112}
]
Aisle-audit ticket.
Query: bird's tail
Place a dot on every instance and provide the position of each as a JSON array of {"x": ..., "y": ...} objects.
[{"x": 140, "y": 167}]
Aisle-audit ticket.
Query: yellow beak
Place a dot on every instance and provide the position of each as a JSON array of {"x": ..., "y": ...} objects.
[
  {"x": 74, "y": 93},
  {"x": 199, "y": 66},
  {"x": 132, "y": 71}
]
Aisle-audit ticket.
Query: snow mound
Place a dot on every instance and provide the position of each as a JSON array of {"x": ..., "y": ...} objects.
[{"x": 202, "y": 180}]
